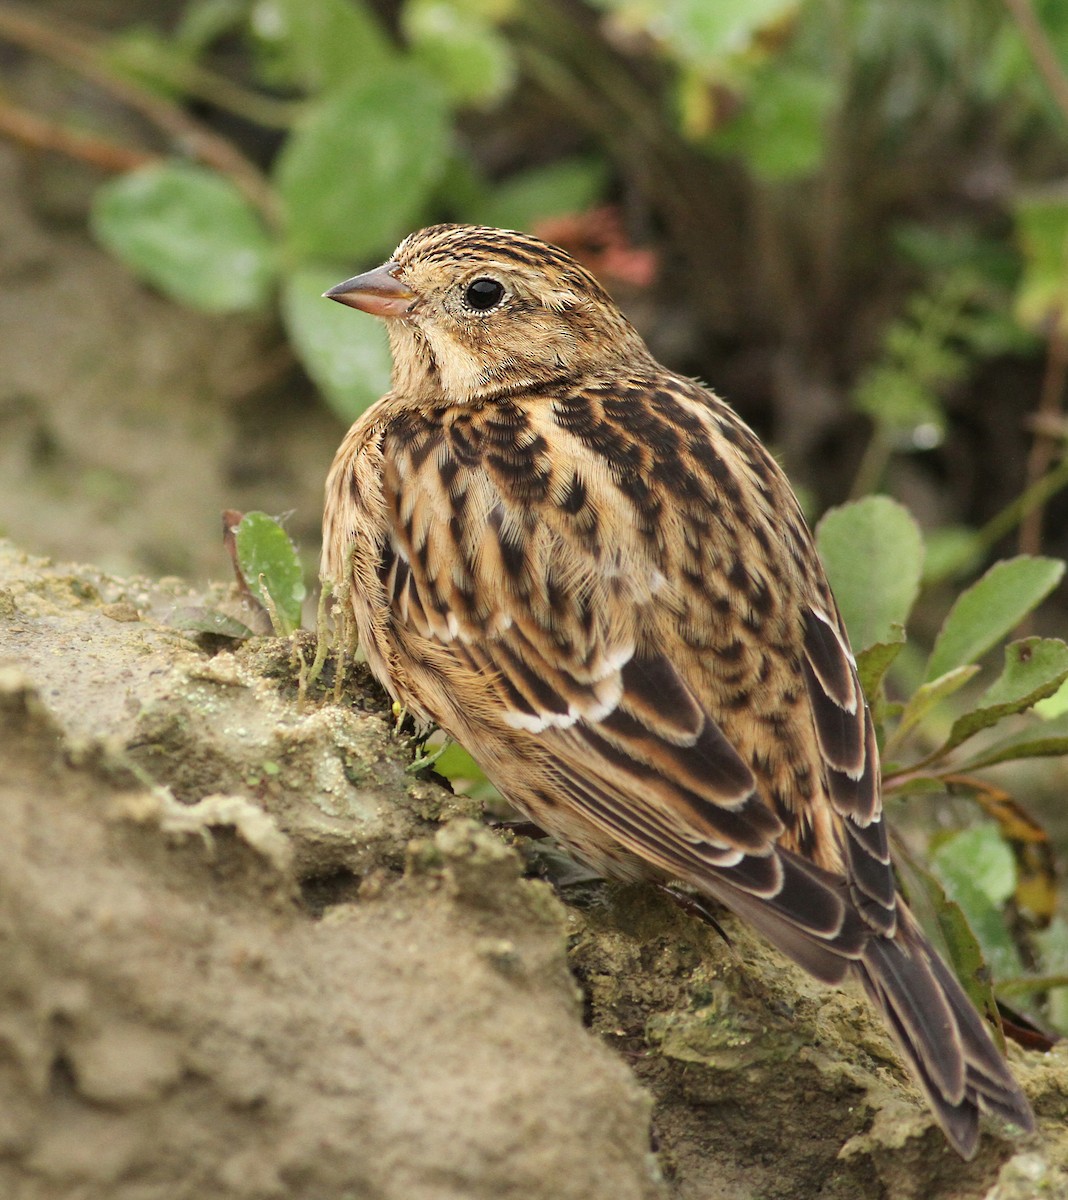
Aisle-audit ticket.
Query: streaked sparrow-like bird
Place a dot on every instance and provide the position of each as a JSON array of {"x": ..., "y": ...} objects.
[{"x": 590, "y": 572}]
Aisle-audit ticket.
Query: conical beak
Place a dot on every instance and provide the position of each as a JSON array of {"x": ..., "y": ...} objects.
[{"x": 376, "y": 292}]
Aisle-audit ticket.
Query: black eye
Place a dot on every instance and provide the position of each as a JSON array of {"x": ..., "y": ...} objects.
[{"x": 484, "y": 294}]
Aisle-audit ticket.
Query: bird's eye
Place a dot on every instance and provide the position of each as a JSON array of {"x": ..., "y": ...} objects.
[{"x": 484, "y": 294}]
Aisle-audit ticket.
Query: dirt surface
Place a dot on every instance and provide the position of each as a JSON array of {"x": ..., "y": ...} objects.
[
  {"x": 127, "y": 424},
  {"x": 244, "y": 953}
]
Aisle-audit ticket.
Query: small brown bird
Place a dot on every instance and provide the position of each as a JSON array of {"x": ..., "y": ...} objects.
[{"x": 589, "y": 572}]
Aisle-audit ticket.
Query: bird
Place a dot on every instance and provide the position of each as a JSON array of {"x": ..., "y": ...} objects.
[{"x": 590, "y": 572}]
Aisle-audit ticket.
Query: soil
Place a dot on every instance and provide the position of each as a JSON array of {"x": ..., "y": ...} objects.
[{"x": 244, "y": 952}]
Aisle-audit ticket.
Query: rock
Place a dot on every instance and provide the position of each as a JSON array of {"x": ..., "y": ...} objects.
[{"x": 244, "y": 953}]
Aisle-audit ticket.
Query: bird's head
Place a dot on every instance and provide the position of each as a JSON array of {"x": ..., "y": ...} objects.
[{"x": 474, "y": 312}]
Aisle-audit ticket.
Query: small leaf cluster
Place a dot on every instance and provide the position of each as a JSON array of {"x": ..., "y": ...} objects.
[{"x": 939, "y": 732}]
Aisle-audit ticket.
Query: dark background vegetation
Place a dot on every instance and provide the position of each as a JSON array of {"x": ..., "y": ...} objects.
[{"x": 850, "y": 217}]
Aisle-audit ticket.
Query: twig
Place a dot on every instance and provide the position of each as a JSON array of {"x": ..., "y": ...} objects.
[
  {"x": 36, "y": 132},
  {"x": 197, "y": 81},
  {"x": 1025, "y": 984},
  {"x": 1041, "y": 50},
  {"x": 73, "y": 46},
  {"x": 1050, "y": 408}
]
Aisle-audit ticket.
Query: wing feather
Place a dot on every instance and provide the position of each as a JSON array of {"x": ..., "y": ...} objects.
[{"x": 577, "y": 647}]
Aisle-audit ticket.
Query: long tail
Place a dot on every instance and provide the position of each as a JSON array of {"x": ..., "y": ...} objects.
[{"x": 941, "y": 1035}]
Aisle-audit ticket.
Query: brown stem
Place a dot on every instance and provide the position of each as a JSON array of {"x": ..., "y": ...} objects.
[
  {"x": 33, "y": 131},
  {"x": 1041, "y": 50},
  {"x": 1047, "y": 419},
  {"x": 75, "y": 47}
]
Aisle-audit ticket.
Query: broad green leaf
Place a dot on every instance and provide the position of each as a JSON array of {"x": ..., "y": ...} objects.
[
  {"x": 990, "y": 608},
  {"x": 875, "y": 660},
  {"x": 345, "y": 352},
  {"x": 981, "y": 855},
  {"x": 873, "y": 552},
  {"x": 1055, "y": 705},
  {"x": 358, "y": 173},
  {"x": 460, "y": 48},
  {"x": 781, "y": 128},
  {"x": 189, "y": 232},
  {"x": 571, "y": 185},
  {"x": 1039, "y": 739},
  {"x": 321, "y": 45},
  {"x": 467, "y": 777},
  {"x": 696, "y": 31},
  {"x": 978, "y": 871},
  {"x": 1034, "y": 669},
  {"x": 270, "y": 565},
  {"x": 925, "y": 697}
]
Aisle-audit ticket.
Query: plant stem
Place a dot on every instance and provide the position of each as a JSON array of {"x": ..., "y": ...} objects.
[
  {"x": 1025, "y": 984},
  {"x": 28, "y": 129},
  {"x": 72, "y": 46},
  {"x": 1046, "y": 433},
  {"x": 872, "y": 463},
  {"x": 1034, "y": 497},
  {"x": 1041, "y": 51}
]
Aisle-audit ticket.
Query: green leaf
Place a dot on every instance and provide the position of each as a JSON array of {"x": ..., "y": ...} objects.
[
  {"x": 189, "y": 232},
  {"x": 873, "y": 553},
  {"x": 944, "y": 919},
  {"x": 874, "y": 661},
  {"x": 986, "y": 612},
  {"x": 1042, "y": 230},
  {"x": 982, "y": 857},
  {"x": 978, "y": 871},
  {"x": 696, "y": 31},
  {"x": 466, "y": 776},
  {"x": 460, "y": 48},
  {"x": 271, "y": 568},
  {"x": 358, "y": 173},
  {"x": 345, "y": 352},
  {"x": 781, "y": 129},
  {"x": 320, "y": 45},
  {"x": 1034, "y": 669},
  {"x": 1055, "y": 705},
  {"x": 571, "y": 185},
  {"x": 925, "y": 697},
  {"x": 1040, "y": 739}
]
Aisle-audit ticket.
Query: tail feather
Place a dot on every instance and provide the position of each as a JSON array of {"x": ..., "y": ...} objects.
[{"x": 941, "y": 1035}]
